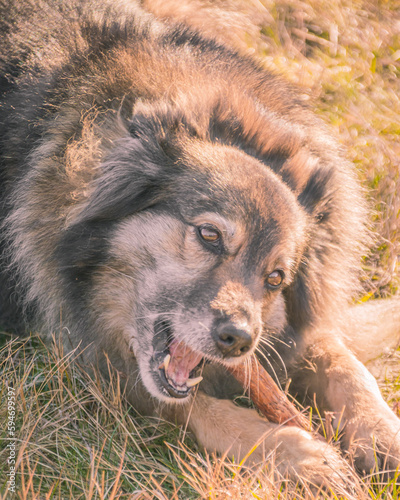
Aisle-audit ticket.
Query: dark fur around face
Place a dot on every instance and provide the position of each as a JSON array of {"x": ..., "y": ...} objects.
[{"x": 123, "y": 140}]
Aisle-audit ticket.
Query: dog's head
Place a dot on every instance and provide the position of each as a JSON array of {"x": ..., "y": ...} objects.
[{"x": 201, "y": 241}]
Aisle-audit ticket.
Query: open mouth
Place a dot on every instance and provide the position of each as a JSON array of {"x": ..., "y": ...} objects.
[{"x": 178, "y": 364}]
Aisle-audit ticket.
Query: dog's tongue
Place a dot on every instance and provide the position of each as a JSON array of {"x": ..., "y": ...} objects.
[{"x": 181, "y": 363}]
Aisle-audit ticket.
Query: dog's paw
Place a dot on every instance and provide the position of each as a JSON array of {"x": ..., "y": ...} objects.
[
  {"x": 302, "y": 456},
  {"x": 372, "y": 439},
  {"x": 241, "y": 434}
]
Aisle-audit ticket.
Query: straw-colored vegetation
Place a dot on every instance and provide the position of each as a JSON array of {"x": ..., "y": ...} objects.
[{"x": 76, "y": 438}]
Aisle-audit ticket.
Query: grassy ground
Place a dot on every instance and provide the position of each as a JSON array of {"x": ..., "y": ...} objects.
[{"x": 76, "y": 438}]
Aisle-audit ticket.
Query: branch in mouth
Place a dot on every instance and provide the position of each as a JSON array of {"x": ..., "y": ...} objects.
[
  {"x": 266, "y": 395},
  {"x": 179, "y": 374}
]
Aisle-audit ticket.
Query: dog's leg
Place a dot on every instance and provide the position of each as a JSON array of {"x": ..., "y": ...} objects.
[
  {"x": 369, "y": 424},
  {"x": 344, "y": 386},
  {"x": 222, "y": 427}
]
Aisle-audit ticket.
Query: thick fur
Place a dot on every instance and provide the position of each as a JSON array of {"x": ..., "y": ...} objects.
[{"x": 121, "y": 138}]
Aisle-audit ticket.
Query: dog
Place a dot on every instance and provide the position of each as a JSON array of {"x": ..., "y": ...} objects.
[{"x": 172, "y": 208}]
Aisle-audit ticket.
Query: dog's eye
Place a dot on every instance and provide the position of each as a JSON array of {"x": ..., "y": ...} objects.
[
  {"x": 210, "y": 235},
  {"x": 275, "y": 279}
]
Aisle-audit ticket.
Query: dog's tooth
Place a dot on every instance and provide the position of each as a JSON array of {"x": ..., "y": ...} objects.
[
  {"x": 193, "y": 381},
  {"x": 165, "y": 363}
]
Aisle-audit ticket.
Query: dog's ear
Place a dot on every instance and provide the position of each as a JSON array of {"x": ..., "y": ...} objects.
[
  {"x": 169, "y": 124},
  {"x": 132, "y": 179},
  {"x": 141, "y": 166}
]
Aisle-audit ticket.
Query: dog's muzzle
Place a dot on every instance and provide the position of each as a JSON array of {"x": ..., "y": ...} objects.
[{"x": 178, "y": 366}]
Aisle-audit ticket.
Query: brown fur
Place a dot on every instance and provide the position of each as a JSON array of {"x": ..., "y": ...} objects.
[{"x": 120, "y": 144}]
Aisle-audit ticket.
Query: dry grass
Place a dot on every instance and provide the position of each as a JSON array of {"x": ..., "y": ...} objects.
[
  {"x": 77, "y": 438},
  {"x": 346, "y": 55}
]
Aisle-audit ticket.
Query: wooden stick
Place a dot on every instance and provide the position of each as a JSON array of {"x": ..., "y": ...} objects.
[{"x": 266, "y": 395}]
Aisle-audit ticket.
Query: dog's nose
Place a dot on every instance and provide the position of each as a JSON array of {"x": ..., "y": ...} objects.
[{"x": 231, "y": 341}]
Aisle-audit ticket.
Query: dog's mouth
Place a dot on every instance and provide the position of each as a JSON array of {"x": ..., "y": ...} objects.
[{"x": 178, "y": 365}]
